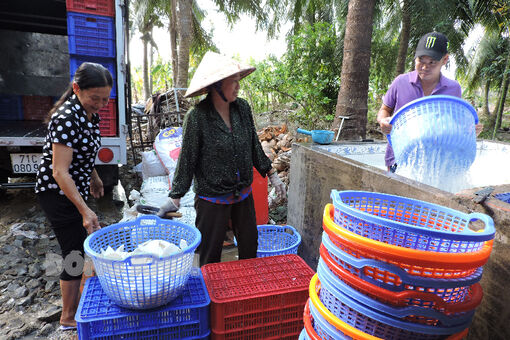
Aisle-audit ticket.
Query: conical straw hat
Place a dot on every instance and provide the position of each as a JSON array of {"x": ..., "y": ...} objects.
[{"x": 212, "y": 68}]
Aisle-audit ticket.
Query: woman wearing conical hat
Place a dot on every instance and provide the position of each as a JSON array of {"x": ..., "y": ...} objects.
[{"x": 220, "y": 147}]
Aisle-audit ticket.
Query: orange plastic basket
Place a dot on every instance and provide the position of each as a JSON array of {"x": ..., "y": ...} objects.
[
  {"x": 406, "y": 297},
  {"x": 415, "y": 262},
  {"x": 391, "y": 277}
]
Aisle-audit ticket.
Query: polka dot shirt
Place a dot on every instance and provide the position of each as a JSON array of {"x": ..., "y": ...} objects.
[{"x": 70, "y": 126}]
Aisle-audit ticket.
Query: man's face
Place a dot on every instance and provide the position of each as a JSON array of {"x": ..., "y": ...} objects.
[{"x": 428, "y": 68}]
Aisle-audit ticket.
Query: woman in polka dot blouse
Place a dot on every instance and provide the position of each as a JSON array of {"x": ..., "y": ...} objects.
[{"x": 66, "y": 174}]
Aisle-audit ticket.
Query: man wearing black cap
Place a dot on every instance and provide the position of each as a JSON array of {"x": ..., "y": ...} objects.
[{"x": 430, "y": 56}]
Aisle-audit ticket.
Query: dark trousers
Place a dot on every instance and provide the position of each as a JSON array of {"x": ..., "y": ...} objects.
[
  {"x": 212, "y": 221},
  {"x": 67, "y": 224}
]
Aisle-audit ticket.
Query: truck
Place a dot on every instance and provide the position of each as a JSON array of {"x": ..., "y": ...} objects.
[{"x": 39, "y": 52}]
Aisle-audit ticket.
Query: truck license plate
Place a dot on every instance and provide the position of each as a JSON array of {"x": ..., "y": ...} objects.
[{"x": 25, "y": 163}]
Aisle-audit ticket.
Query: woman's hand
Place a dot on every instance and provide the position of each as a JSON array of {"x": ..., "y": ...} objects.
[
  {"x": 171, "y": 205},
  {"x": 277, "y": 183},
  {"x": 90, "y": 221},
  {"x": 96, "y": 185}
]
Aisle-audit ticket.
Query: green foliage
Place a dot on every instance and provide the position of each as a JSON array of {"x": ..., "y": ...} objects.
[
  {"x": 137, "y": 84},
  {"x": 306, "y": 79},
  {"x": 161, "y": 74},
  {"x": 487, "y": 63}
]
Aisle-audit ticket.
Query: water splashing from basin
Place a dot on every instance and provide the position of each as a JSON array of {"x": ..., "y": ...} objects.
[{"x": 448, "y": 170}]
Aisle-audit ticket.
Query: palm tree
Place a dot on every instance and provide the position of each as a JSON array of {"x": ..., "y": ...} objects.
[
  {"x": 495, "y": 16},
  {"x": 145, "y": 18},
  {"x": 404, "y": 37},
  {"x": 486, "y": 67},
  {"x": 186, "y": 33},
  {"x": 184, "y": 37},
  {"x": 353, "y": 94}
]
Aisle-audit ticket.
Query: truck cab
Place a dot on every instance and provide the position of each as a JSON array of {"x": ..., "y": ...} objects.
[{"x": 39, "y": 56}]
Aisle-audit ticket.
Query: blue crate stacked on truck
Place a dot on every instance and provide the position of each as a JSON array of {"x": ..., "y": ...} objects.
[{"x": 91, "y": 38}]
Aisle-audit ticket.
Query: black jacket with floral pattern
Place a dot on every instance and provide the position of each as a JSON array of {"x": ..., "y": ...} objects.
[{"x": 212, "y": 154}]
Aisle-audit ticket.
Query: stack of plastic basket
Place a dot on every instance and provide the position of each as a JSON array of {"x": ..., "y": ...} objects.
[
  {"x": 396, "y": 268},
  {"x": 261, "y": 298},
  {"x": 91, "y": 38},
  {"x": 186, "y": 317}
]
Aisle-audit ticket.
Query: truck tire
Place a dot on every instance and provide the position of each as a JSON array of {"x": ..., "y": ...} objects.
[{"x": 109, "y": 174}]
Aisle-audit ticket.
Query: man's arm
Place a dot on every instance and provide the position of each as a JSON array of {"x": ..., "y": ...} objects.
[{"x": 384, "y": 117}]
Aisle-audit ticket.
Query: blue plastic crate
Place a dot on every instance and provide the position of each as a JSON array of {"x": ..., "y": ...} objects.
[
  {"x": 92, "y": 35},
  {"x": 186, "y": 317},
  {"x": 76, "y": 60},
  {"x": 11, "y": 107}
]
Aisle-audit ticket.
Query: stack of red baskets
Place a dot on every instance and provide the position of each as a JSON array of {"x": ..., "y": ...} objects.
[{"x": 396, "y": 268}]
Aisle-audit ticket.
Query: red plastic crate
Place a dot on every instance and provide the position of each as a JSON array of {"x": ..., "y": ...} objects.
[
  {"x": 287, "y": 331},
  {"x": 108, "y": 123},
  {"x": 256, "y": 296},
  {"x": 37, "y": 107},
  {"x": 97, "y": 7}
]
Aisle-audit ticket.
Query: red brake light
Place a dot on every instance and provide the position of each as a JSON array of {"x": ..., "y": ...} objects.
[{"x": 105, "y": 155}]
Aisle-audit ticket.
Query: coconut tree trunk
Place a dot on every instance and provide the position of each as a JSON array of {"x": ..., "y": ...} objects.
[
  {"x": 502, "y": 97},
  {"x": 496, "y": 109},
  {"x": 185, "y": 34},
  {"x": 149, "y": 68},
  {"x": 353, "y": 94},
  {"x": 173, "y": 40},
  {"x": 145, "y": 68},
  {"x": 486, "y": 111},
  {"x": 404, "y": 38}
]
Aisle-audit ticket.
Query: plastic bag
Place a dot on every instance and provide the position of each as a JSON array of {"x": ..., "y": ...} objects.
[
  {"x": 154, "y": 190},
  {"x": 151, "y": 166},
  {"x": 158, "y": 248},
  {"x": 168, "y": 146}
]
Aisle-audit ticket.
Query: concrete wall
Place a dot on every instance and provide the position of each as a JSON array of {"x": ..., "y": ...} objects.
[{"x": 315, "y": 172}]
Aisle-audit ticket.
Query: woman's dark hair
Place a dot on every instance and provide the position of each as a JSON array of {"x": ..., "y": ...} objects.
[{"x": 88, "y": 75}]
